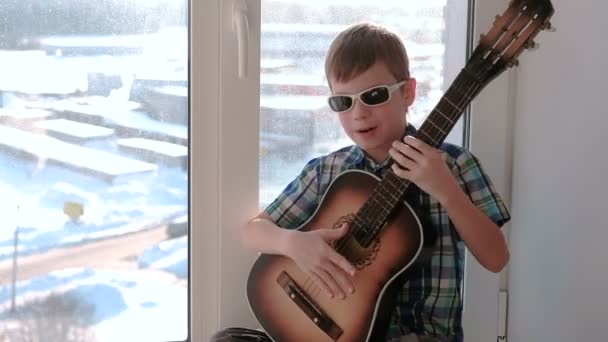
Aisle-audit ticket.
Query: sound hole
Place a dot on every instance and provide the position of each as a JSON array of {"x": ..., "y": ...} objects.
[{"x": 351, "y": 249}]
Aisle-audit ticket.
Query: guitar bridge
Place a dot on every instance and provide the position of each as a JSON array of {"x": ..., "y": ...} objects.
[{"x": 305, "y": 303}]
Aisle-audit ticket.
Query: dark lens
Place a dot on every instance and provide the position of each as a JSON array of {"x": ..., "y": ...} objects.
[
  {"x": 340, "y": 103},
  {"x": 375, "y": 96}
]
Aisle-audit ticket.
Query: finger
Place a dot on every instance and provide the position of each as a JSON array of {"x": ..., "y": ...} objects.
[
  {"x": 344, "y": 280},
  {"x": 333, "y": 234},
  {"x": 408, "y": 151},
  {"x": 403, "y": 161},
  {"x": 418, "y": 144},
  {"x": 403, "y": 173},
  {"x": 321, "y": 283},
  {"x": 341, "y": 262},
  {"x": 330, "y": 282},
  {"x": 340, "y": 232}
]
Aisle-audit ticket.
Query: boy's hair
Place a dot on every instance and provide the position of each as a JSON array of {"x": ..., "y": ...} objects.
[{"x": 359, "y": 47}]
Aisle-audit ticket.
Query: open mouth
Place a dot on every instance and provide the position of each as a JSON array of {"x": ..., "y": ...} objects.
[{"x": 366, "y": 130}]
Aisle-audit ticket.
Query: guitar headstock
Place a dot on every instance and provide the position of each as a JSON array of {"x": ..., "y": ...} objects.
[{"x": 511, "y": 34}]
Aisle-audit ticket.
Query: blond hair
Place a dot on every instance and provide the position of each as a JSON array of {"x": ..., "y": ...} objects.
[{"x": 359, "y": 47}]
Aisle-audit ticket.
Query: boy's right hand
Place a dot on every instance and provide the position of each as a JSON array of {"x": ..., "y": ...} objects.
[{"x": 331, "y": 271}]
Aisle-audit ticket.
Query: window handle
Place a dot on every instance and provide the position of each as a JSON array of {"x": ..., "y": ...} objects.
[{"x": 240, "y": 25}]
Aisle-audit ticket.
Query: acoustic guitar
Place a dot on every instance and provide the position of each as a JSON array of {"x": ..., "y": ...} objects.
[{"x": 385, "y": 235}]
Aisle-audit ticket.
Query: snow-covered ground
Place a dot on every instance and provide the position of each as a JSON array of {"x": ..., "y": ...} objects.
[
  {"x": 170, "y": 256},
  {"x": 129, "y": 306},
  {"x": 34, "y": 195}
]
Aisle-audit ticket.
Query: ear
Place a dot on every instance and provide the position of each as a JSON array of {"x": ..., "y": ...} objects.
[{"x": 409, "y": 92}]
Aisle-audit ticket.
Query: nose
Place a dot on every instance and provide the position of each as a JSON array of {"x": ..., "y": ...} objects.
[{"x": 360, "y": 111}]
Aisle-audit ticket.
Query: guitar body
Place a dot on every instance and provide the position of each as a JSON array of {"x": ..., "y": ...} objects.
[{"x": 291, "y": 308}]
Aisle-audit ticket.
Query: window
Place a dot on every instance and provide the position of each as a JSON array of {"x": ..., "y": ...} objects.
[
  {"x": 296, "y": 124},
  {"x": 94, "y": 152}
]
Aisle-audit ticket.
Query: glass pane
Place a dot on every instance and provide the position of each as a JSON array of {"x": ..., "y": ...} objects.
[
  {"x": 93, "y": 170},
  {"x": 296, "y": 123}
]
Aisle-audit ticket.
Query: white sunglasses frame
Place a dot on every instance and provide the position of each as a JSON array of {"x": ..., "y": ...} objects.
[{"x": 354, "y": 97}]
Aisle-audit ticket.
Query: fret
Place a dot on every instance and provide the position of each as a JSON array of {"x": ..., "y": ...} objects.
[
  {"x": 389, "y": 188},
  {"x": 386, "y": 198},
  {"x": 379, "y": 210},
  {"x": 404, "y": 185},
  {"x": 447, "y": 117},
  {"x": 432, "y": 139},
  {"x": 450, "y": 102},
  {"x": 358, "y": 230},
  {"x": 432, "y": 123},
  {"x": 392, "y": 196},
  {"x": 395, "y": 187},
  {"x": 375, "y": 199},
  {"x": 390, "y": 185},
  {"x": 380, "y": 202}
]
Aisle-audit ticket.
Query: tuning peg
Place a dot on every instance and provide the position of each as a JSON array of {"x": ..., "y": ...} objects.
[
  {"x": 548, "y": 27},
  {"x": 513, "y": 63},
  {"x": 531, "y": 45}
]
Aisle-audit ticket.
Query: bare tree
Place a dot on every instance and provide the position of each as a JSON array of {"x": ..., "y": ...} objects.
[{"x": 56, "y": 318}]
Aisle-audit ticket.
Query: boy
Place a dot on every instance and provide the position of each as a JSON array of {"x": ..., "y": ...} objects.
[{"x": 368, "y": 74}]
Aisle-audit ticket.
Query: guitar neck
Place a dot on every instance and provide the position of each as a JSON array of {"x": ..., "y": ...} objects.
[{"x": 449, "y": 109}]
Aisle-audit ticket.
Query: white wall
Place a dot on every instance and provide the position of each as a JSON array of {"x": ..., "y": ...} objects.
[{"x": 558, "y": 276}]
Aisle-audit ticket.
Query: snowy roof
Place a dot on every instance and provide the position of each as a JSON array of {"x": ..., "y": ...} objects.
[
  {"x": 45, "y": 147},
  {"x": 75, "y": 129},
  {"x": 160, "y": 147},
  {"x": 24, "y": 113},
  {"x": 121, "y": 114}
]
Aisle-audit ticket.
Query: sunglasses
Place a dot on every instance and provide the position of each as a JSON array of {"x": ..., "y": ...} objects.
[{"x": 370, "y": 97}]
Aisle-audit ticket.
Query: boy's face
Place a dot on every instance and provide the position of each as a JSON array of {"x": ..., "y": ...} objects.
[{"x": 375, "y": 128}]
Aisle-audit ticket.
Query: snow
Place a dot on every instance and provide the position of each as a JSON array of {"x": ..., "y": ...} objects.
[
  {"x": 129, "y": 204},
  {"x": 173, "y": 90},
  {"x": 170, "y": 256},
  {"x": 128, "y": 305},
  {"x": 160, "y": 147},
  {"x": 21, "y": 113},
  {"x": 75, "y": 129},
  {"x": 47, "y": 148},
  {"x": 117, "y": 113}
]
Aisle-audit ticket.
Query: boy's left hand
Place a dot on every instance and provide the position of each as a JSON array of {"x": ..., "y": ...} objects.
[{"x": 423, "y": 165}]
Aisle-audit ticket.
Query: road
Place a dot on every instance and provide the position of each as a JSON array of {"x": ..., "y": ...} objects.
[{"x": 118, "y": 253}]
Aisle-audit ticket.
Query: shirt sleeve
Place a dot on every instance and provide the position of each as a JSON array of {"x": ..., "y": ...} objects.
[
  {"x": 477, "y": 184},
  {"x": 299, "y": 199}
]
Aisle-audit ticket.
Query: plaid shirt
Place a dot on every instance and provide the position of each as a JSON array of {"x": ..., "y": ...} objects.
[{"x": 430, "y": 301}]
